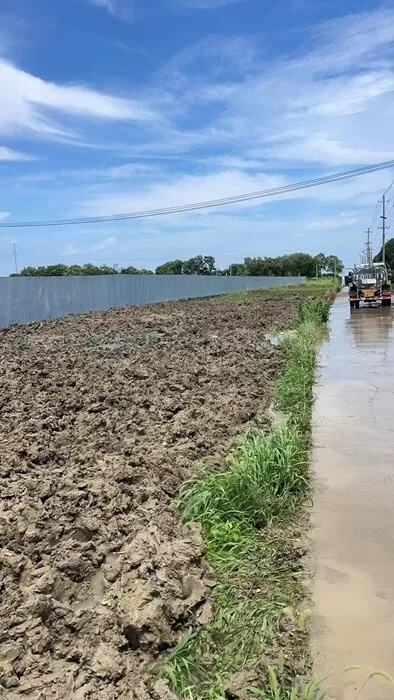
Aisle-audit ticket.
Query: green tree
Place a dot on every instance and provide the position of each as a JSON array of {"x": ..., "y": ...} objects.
[
  {"x": 257, "y": 266},
  {"x": 334, "y": 265},
  {"x": 28, "y": 272},
  {"x": 389, "y": 254},
  {"x": 172, "y": 267},
  {"x": 236, "y": 269},
  {"x": 74, "y": 270},
  {"x": 199, "y": 265},
  {"x": 52, "y": 270},
  {"x": 135, "y": 271},
  {"x": 320, "y": 262},
  {"x": 298, "y": 264},
  {"x": 60, "y": 270}
]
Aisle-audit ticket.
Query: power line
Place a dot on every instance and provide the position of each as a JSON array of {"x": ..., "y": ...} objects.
[
  {"x": 210, "y": 203},
  {"x": 389, "y": 187},
  {"x": 374, "y": 216}
]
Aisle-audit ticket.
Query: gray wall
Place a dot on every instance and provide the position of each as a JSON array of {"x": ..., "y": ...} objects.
[{"x": 28, "y": 299}]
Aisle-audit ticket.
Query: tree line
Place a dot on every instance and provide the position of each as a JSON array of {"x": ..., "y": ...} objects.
[
  {"x": 389, "y": 254},
  {"x": 293, "y": 264},
  {"x": 59, "y": 270}
]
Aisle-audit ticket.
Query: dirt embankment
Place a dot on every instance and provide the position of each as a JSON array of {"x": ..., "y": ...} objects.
[{"x": 102, "y": 417}]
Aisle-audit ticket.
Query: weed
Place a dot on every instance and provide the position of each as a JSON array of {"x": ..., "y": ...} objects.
[
  {"x": 322, "y": 286},
  {"x": 267, "y": 477},
  {"x": 315, "y": 311},
  {"x": 248, "y": 513},
  {"x": 294, "y": 388}
]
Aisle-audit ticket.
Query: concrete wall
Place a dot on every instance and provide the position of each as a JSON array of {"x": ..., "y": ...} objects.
[{"x": 29, "y": 299}]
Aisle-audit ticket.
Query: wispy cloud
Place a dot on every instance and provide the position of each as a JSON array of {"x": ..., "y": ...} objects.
[
  {"x": 331, "y": 105},
  {"x": 101, "y": 245},
  {"x": 10, "y": 154},
  {"x": 206, "y": 4},
  {"x": 181, "y": 190},
  {"x": 124, "y": 9},
  {"x": 32, "y": 101}
]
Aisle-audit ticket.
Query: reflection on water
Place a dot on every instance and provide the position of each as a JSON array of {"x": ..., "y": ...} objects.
[
  {"x": 353, "y": 436},
  {"x": 370, "y": 326}
]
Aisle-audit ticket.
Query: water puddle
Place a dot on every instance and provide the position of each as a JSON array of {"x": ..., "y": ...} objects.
[{"x": 353, "y": 517}]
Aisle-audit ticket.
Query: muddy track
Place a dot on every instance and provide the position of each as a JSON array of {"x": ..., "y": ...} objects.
[{"x": 102, "y": 418}]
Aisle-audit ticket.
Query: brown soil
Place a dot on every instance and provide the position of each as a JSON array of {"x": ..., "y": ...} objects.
[{"x": 103, "y": 416}]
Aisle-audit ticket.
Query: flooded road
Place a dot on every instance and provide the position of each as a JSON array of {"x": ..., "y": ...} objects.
[{"x": 353, "y": 515}]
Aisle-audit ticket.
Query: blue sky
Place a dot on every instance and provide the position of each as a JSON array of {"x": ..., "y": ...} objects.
[{"x": 109, "y": 106}]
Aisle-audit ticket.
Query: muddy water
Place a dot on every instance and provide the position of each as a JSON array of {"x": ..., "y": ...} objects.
[{"x": 353, "y": 517}]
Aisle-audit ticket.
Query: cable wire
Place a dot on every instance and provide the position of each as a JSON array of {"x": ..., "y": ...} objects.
[
  {"x": 207, "y": 204},
  {"x": 389, "y": 187},
  {"x": 375, "y": 214}
]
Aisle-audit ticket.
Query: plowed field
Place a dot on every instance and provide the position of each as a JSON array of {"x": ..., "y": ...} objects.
[{"x": 103, "y": 416}]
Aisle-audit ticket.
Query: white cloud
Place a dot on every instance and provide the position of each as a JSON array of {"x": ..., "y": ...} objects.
[
  {"x": 180, "y": 190},
  {"x": 119, "y": 8},
  {"x": 323, "y": 149},
  {"x": 343, "y": 221},
  {"x": 229, "y": 161},
  {"x": 103, "y": 245},
  {"x": 4, "y": 215},
  {"x": 331, "y": 106},
  {"x": 206, "y": 4},
  {"x": 10, "y": 154},
  {"x": 29, "y": 103},
  {"x": 106, "y": 243},
  {"x": 185, "y": 189}
]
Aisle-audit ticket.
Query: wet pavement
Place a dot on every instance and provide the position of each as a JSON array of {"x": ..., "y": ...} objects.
[{"x": 353, "y": 515}]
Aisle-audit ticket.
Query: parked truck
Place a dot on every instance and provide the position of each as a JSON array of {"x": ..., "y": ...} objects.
[{"x": 369, "y": 284}]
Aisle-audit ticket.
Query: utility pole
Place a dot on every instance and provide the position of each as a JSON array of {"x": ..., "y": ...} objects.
[
  {"x": 383, "y": 217},
  {"x": 15, "y": 258},
  {"x": 368, "y": 249}
]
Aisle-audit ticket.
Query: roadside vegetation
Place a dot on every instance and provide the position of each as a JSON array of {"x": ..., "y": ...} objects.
[
  {"x": 253, "y": 520},
  {"x": 322, "y": 287},
  {"x": 285, "y": 265}
]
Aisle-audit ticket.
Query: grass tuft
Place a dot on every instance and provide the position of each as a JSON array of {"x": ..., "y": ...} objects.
[
  {"x": 250, "y": 515},
  {"x": 314, "y": 311},
  {"x": 266, "y": 479}
]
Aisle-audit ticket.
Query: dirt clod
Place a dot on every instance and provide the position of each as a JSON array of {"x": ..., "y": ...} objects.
[{"x": 103, "y": 416}]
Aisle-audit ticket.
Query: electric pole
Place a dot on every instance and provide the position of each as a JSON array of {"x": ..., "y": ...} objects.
[
  {"x": 15, "y": 258},
  {"x": 383, "y": 217},
  {"x": 368, "y": 249}
]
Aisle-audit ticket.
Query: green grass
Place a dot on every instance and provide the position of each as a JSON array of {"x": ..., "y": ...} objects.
[
  {"x": 252, "y": 518},
  {"x": 267, "y": 476},
  {"x": 322, "y": 286}
]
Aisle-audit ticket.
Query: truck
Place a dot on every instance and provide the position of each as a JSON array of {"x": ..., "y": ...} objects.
[{"x": 369, "y": 284}]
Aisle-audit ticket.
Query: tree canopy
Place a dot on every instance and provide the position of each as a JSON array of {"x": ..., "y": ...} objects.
[
  {"x": 199, "y": 265},
  {"x": 389, "y": 251},
  {"x": 135, "y": 271},
  {"x": 293, "y": 264},
  {"x": 60, "y": 270},
  {"x": 173, "y": 267},
  {"x": 290, "y": 265}
]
